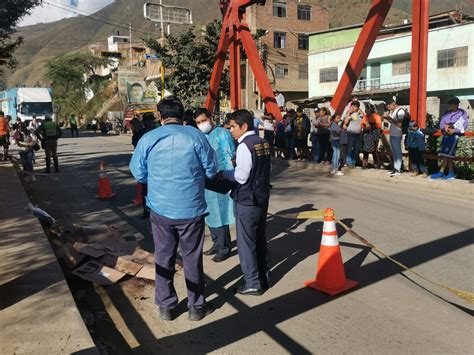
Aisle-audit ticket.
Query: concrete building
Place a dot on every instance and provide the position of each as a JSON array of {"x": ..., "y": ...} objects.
[
  {"x": 387, "y": 72},
  {"x": 284, "y": 47}
]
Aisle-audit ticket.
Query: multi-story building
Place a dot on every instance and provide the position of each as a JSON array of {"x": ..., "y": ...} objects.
[
  {"x": 284, "y": 46},
  {"x": 388, "y": 68}
]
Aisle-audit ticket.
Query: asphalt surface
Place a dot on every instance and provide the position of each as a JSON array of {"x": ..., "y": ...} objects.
[{"x": 391, "y": 312}]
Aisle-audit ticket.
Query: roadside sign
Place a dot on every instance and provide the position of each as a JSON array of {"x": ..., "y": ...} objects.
[
  {"x": 152, "y": 57},
  {"x": 168, "y": 14}
]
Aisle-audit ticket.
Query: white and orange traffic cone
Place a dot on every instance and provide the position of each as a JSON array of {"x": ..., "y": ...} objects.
[
  {"x": 330, "y": 275},
  {"x": 138, "y": 200},
  {"x": 105, "y": 191}
]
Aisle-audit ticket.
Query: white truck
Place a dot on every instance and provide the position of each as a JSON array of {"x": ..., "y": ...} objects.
[{"x": 24, "y": 103}]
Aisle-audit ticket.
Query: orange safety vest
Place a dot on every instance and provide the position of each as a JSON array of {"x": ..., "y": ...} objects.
[{"x": 3, "y": 126}]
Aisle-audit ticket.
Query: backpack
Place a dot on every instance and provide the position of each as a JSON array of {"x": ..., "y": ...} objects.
[{"x": 406, "y": 121}]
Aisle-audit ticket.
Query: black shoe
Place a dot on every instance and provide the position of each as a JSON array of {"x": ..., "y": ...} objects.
[
  {"x": 243, "y": 290},
  {"x": 167, "y": 313},
  {"x": 196, "y": 314},
  {"x": 220, "y": 257},
  {"x": 145, "y": 215},
  {"x": 47, "y": 171},
  {"x": 214, "y": 249}
]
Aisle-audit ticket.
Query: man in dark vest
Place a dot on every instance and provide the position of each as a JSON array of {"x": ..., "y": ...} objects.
[
  {"x": 49, "y": 132},
  {"x": 252, "y": 173}
]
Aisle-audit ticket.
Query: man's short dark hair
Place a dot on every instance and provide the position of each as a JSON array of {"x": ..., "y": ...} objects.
[
  {"x": 2, "y": 114},
  {"x": 392, "y": 101},
  {"x": 243, "y": 116},
  {"x": 202, "y": 111},
  {"x": 299, "y": 109},
  {"x": 355, "y": 103},
  {"x": 148, "y": 116},
  {"x": 171, "y": 107}
]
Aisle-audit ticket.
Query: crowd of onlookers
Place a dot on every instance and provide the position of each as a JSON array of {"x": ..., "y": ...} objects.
[{"x": 356, "y": 138}]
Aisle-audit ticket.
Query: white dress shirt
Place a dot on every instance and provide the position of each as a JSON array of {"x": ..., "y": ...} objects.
[{"x": 243, "y": 162}]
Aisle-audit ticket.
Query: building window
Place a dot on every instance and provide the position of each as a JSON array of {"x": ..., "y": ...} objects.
[
  {"x": 304, "y": 12},
  {"x": 303, "y": 71},
  {"x": 303, "y": 43},
  {"x": 328, "y": 75},
  {"x": 279, "y": 8},
  {"x": 279, "y": 39},
  {"x": 401, "y": 67},
  {"x": 454, "y": 57},
  {"x": 281, "y": 71}
]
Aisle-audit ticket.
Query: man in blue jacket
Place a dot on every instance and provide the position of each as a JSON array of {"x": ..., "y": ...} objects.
[{"x": 174, "y": 161}]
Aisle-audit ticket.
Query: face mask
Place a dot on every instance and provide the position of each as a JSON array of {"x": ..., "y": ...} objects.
[{"x": 205, "y": 127}]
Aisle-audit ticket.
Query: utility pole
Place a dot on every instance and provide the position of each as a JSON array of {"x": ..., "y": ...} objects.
[{"x": 130, "y": 39}]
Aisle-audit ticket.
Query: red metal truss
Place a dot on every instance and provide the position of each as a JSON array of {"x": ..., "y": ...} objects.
[
  {"x": 373, "y": 23},
  {"x": 419, "y": 61},
  {"x": 235, "y": 32}
]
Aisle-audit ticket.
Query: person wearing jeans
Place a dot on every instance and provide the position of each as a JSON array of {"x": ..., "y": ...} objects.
[
  {"x": 335, "y": 131},
  {"x": 396, "y": 118},
  {"x": 352, "y": 124},
  {"x": 396, "y": 145},
  {"x": 314, "y": 136}
]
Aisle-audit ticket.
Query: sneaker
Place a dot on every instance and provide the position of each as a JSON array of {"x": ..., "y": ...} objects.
[
  {"x": 450, "y": 176},
  {"x": 438, "y": 175},
  {"x": 33, "y": 178},
  {"x": 390, "y": 172},
  {"x": 27, "y": 178},
  {"x": 339, "y": 173},
  {"x": 196, "y": 314},
  {"x": 333, "y": 171},
  {"x": 395, "y": 173},
  {"x": 213, "y": 250}
]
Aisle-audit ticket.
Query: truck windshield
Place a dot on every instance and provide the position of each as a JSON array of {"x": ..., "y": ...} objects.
[{"x": 36, "y": 108}]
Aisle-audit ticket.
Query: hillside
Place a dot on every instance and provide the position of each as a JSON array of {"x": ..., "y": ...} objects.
[{"x": 45, "y": 41}]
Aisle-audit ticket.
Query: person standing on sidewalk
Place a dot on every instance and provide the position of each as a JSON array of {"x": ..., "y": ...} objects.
[
  {"x": 174, "y": 161},
  {"x": 353, "y": 127},
  {"x": 335, "y": 131},
  {"x": 220, "y": 206},
  {"x": 49, "y": 133},
  {"x": 27, "y": 144},
  {"x": 73, "y": 126},
  {"x": 314, "y": 135},
  {"x": 4, "y": 134},
  {"x": 396, "y": 118},
  {"x": 252, "y": 173},
  {"x": 301, "y": 126}
]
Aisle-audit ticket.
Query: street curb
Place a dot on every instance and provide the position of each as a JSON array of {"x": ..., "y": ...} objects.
[{"x": 462, "y": 187}]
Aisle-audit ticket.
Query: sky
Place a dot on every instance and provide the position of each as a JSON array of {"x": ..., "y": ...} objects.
[{"x": 51, "y": 10}]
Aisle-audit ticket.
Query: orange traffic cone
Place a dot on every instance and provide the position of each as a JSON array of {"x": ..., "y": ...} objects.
[
  {"x": 105, "y": 191},
  {"x": 138, "y": 200},
  {"x": 330, "y": 276}
]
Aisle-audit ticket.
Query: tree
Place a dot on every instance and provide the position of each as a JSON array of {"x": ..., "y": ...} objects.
[
  {"x": 11, "y": 11},
  {"x": 190, "y": 58},
  {"x": 71, "y": 76}
]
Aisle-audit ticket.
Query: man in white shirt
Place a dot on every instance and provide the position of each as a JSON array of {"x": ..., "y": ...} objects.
[{"x": 252, "y": 173}]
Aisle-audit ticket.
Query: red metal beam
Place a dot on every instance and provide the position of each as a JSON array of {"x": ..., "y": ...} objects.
[
  {"x": 419, "y": 61},
  {"x": 373, "y": 23},
  {"x": 235, "y": 78},
  {"x": 259, "y": 71}
]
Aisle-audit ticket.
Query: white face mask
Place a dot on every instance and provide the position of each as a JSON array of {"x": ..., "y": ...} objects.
[{"x": 205, "y": 127}]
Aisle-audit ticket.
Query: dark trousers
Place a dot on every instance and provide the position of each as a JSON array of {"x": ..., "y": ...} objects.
[
  {"x": 252, "y": 244},
  {"x": 221, "y": 239},
  {"x": 167, "y": 234},
  {"x": 74, "y": 129},
  {"x": 417, "y": 160},
  {"x": 354, "y": 142},
  {"x": 324, "y": 150},
  {"x": 51, "y": 150},
  {"x": 269, "y": 136},
  {"x": 144, "y": 194}
]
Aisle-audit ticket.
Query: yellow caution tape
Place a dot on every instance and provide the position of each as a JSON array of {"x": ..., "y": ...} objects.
[{"x": 319, "y": 214}]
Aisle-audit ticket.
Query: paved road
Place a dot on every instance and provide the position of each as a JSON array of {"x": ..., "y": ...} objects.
[{"x": 389, "y": 311}]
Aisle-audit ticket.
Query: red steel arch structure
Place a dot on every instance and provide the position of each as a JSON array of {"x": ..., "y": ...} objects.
[{"x": 235, "y": 31}]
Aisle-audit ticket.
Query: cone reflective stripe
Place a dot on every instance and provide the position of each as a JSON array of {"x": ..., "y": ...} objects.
[
  {"x": 105, "y": 191},
  {"x": 330, "y": 275},
  {"x": 138, "y": 200}
]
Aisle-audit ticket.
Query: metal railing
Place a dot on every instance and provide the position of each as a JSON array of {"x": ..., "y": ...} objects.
[{"x": 374, "y": 84}]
